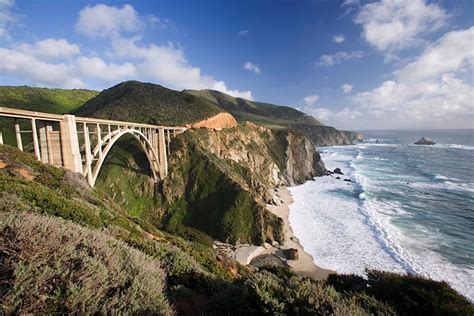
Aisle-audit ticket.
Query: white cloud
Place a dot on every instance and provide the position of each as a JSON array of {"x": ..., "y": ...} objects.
[
  {"x": 51, "y": 48},
  {"x": 346, "y": 88},
  {"x": 332, "y": 117},
  {"x": 243, "y": 32},
  {"x": 168, "y": 65},
  {"x": 453, "y": 52},
  {"x": 429, "y": 91},
  {"x": 104, "y": 21},
  {"x": 252, "y": 67},
  {"x": 338, "y": 38},
  {"x": 339, "y": 57},
  {"x": 36, "y": 71},
  {"x": 6, "y": 17},
  {"x": 59, "y": 63},
  {"x": 311, "y": 99},
  {"x": 390, "y": 25}
]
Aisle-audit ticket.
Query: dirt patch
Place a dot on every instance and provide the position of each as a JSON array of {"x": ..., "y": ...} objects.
[
  {"x": 2, "y": 164},
  {"x": 221, "y": 120},
  {"x": 25, "y": 173}
]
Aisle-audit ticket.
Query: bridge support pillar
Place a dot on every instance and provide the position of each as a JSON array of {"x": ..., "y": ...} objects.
[
  {"x": 162, "y": 153},
  {"x": 70, "y": 144}
]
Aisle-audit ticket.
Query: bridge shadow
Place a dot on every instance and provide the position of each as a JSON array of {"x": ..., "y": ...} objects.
[{"x": 127, "y": 154}]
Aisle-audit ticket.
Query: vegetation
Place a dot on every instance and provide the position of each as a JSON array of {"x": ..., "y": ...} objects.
[
  {"x": 52, "y": 266},
  {"x": 266, "y": 114},
  {"x": 147, "y": 103},
  {"x": 105, "y": 259},
  {"x": 58, "y": 101}
]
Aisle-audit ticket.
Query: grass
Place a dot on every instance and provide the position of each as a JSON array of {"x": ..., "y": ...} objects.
[
  {"x": 65, "y": 248},
  {"x": 148, "y": 103},
  {"x": 51, "y": 266}
]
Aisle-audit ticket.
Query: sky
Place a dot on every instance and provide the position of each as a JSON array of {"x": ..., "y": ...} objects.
[{"x": 353, "y": 64}]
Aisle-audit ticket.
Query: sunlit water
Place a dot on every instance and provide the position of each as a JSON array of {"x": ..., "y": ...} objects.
[{"x": 409, "y": 209}]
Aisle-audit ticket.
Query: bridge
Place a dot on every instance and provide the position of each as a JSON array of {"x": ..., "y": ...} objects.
[{"x": 81, "y": 144}]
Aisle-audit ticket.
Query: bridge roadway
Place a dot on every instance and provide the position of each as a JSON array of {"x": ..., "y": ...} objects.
[{"x": 81, "y": 144}]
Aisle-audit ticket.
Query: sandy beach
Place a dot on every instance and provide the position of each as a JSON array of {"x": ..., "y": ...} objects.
[{"x": 305, "y": 264}]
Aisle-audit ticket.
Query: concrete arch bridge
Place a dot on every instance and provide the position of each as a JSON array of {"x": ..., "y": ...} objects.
[{"x": 81, "y": 144}]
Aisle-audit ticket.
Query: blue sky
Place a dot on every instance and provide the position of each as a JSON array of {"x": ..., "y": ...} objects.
[{"x": 351, "y": 63}]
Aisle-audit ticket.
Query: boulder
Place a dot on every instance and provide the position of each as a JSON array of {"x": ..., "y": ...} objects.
[
  {"x": 425, "y": 141},
  {"x": 291, "y": 253},
  {"x": 337, "y": 171},
  {"x": 348, "y": 180}
]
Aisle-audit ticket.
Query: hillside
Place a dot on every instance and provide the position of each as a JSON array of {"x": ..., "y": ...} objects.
[
  {"x": 270, "y": 115},
  {"x": 148, "y": 103},
  {"x": 58, "y": 101},
  {"x": 66, "y": 248},
  {"x": 277, "y": 117}
]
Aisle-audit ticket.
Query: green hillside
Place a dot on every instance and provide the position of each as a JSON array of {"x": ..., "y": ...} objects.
[
  {"x": 267, "y": 114},
  {"x": 68, "y": 249},
  {"x": 148, "y": 103},
  {"x": 57, "y": 101}
]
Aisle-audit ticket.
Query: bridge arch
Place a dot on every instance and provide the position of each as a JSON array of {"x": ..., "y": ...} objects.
[{"x": 110, "y": 140}]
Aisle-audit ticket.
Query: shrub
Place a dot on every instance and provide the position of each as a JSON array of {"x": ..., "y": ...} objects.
[
  {"x": 279, "y": 291},
  {"x": 406, "y": 293},
  {"x": 53, "y": 266}
]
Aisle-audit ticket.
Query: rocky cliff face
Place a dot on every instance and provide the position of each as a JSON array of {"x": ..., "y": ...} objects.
[
  {"x": 221, "y": 180},
  {"x": 327, "y": 135},
  {"x": 221, "y": 120}
]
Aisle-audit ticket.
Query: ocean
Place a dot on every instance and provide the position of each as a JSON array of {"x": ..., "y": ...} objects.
[{"x": 409, "y": 209}]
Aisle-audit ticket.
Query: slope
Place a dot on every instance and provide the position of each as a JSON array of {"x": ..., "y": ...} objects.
[{"x": 148, "y": 103}]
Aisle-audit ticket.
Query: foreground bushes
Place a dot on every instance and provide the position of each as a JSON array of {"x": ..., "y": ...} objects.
[
  {"x": 278, "y": 291},
  {"x": 52, "y": 266}
]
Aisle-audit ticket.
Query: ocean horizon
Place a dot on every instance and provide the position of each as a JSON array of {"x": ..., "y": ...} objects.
[{"x": 403, "y": 207}]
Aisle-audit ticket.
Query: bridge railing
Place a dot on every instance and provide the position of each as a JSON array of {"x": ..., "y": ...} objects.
[{"x": 80, "y": 144}]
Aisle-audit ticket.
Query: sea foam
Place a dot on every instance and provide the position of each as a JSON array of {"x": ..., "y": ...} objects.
[{"x": 347, "y": 228}]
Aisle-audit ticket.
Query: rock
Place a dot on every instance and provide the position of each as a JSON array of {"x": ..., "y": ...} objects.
[
  {"x": 348, "y": 180},
  {"x": 337, "y": 171},
  {"x": 425, "y": 141},
  {"x": 338, "y": 178},
  {"x": 266, "y": 245},
  {"x": 275, "y": 244},
  {"x": 291, "y": 253},
  {"x": 245, "y": 254}
]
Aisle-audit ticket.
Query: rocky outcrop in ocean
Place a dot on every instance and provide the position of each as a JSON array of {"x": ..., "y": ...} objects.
[{"x": 424, "y": 141}]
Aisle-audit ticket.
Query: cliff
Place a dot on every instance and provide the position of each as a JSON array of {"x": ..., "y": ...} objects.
[
  {"x": 327, "y": 135},
  {"x": 221, "y": 180}
]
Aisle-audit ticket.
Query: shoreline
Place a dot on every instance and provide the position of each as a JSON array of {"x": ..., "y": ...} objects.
[{"x": 304, "y": 265}]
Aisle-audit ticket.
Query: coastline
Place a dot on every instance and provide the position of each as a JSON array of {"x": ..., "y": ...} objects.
[{"x": 304, "y": 265}]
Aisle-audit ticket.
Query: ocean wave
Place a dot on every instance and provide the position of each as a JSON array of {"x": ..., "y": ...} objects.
[{"x": 349, "y": 228}]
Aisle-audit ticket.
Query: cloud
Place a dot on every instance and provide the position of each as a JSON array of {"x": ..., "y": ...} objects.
[
  {"x": 104, "y": 21},
  {"x": 346, "y": 88},
  {"x": 252, "y": 67},
  {"x": 349, "y": 5},
  {"x": 454, "y": 52},
  {"x": 60, "y": 63},
  {"x": 339, "y": 57},
  {"x": 338, "y": 38},
  {"x": 430, "y": 91},
  {"x": 330, "y": 116},
  {"x": 391, "y": 26},
  {"x": 311, "y": 99},
  {"x": 51, "y": 48},
  {"x": 243, "y": 32},
  {"x": 6, "y": 17}
]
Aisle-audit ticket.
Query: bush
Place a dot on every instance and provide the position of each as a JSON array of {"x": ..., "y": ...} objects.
[
  {"x": 407, "y": 294},
  {"x": 53, "y": 266},
  {"x": 279, "y": 291}
]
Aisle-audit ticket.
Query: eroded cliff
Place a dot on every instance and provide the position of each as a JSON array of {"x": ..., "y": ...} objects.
[{"x": 221, "y": 180}]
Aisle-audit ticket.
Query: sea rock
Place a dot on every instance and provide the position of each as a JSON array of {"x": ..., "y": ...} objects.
[
  {"x": 425, "y": 141},
  {"x": 348, "y": 180},
  {"x": 337, "y": 171},
  {"x": 291, "y": 253}
]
